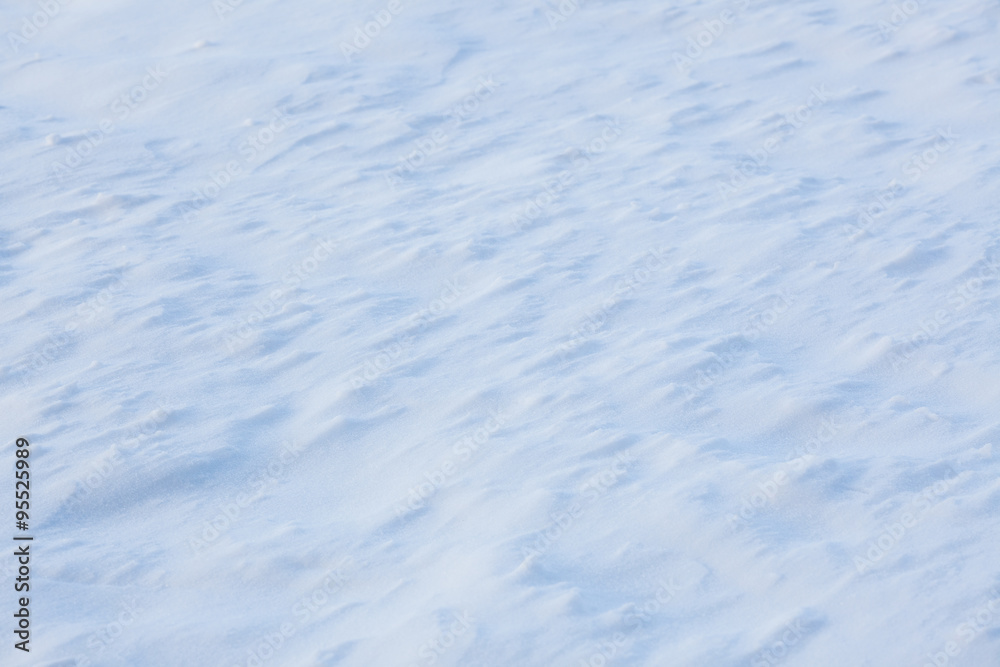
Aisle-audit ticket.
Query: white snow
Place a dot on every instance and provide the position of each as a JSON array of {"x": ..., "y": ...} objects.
[{"x": 555, "y": 333}]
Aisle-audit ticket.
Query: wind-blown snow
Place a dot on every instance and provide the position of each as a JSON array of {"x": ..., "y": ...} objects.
[{"x": 580, "y": 333}]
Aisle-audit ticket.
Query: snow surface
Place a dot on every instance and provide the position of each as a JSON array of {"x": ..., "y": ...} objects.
[{"x": 491, "y": 344}]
